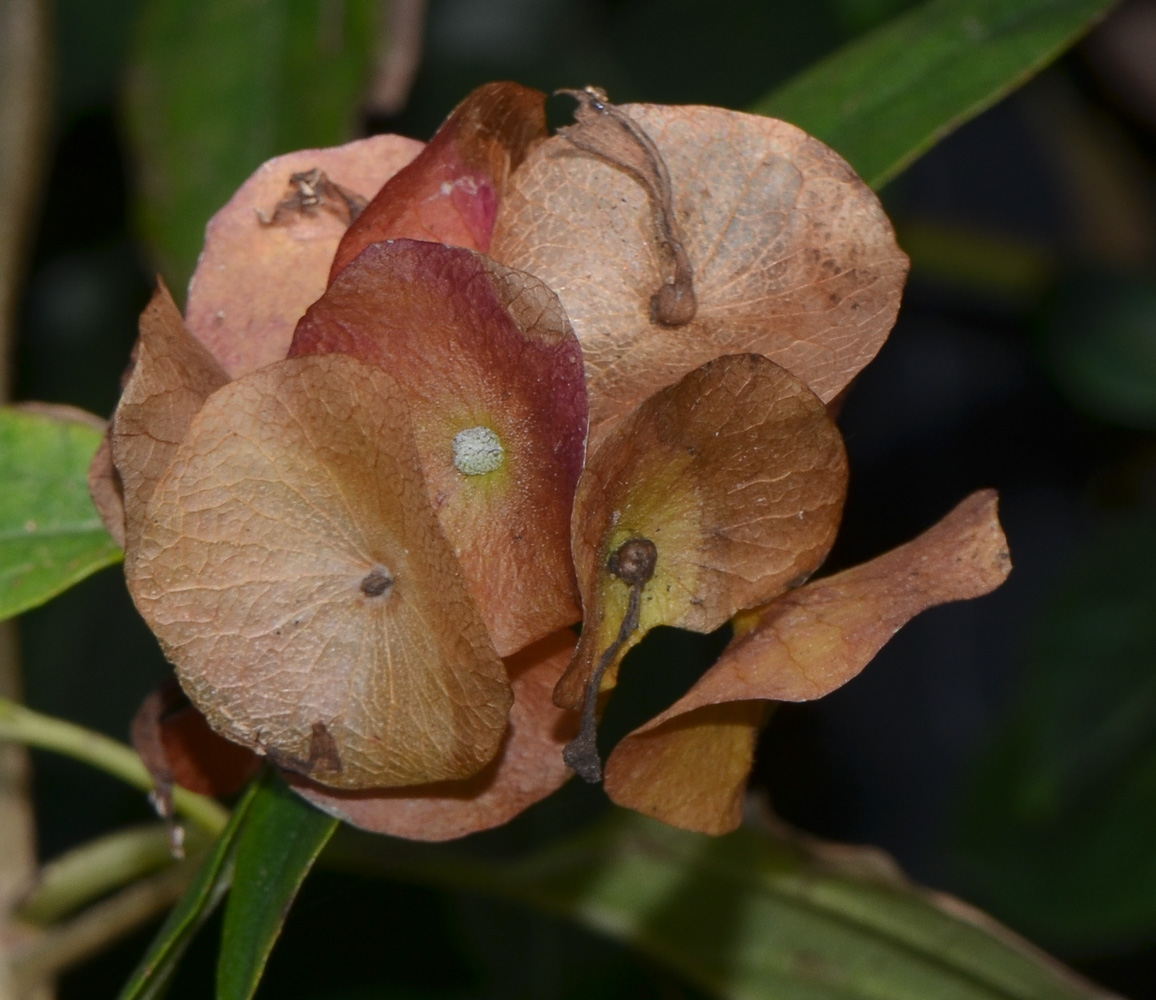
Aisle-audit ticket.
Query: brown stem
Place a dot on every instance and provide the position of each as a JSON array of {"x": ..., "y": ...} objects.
[{"x": 633, "y": 562}]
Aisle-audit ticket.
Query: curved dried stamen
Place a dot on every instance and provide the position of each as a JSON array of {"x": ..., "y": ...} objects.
[
  {"x": 633, "y": 563},
  {"x": 608, "y": 132}
]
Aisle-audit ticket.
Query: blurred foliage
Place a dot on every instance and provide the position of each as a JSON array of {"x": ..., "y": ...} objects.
[
  {"x": 1061, "y": 814},
  {"x": 754, "y": 915},
  {"x": 1099, "y": 338},
  {"x": 279, "y": 842},
  {"x": 216, "y": 87},
  {"x": 894, "y": 93},
  {"x": 210, "y": 885}
]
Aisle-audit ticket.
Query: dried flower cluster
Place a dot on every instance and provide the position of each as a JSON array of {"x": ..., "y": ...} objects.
[{"x": 431, "y": 406}]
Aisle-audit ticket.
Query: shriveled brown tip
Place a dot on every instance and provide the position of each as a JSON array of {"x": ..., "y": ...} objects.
[
  {"x": 633, "y": 561},
  {"x": 674, "y": 304},
  {"x": 312, "y": 191},
  {"x": 324, "y": 754},
  {"x": 268, "y": 250},
  {"x": 581, "y": 756},
  {"x": 607, "y": 131}
]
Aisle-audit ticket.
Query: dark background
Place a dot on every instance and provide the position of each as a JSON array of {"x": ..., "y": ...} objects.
[{"x": 1003, "y": 749}]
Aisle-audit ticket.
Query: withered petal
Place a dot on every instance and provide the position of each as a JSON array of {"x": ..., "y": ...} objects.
[
  {"x": 791, "y": 252},
  {"x": 177, "y": 746},
  {"x": 262, "y": 265},
  {"x": 736, "y": 474},
  {"x": 528, "y": 768},
  {"x": 171, "y": 377},
  {"x": 485, "y": 359},
  {"x": 450, "y": 193},
  {"x": 297, "y": 578},
  {"x": 801, "y": 646},
  {"x": 105, "y": 488}
]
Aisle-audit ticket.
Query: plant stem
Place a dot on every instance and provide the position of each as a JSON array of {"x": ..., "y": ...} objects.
[
  {"x": 90, "y": 871},
  {"x": 47, "y": 954},
  {"x": 22, "y": 725},
  {"x": 25, "y": 115}
]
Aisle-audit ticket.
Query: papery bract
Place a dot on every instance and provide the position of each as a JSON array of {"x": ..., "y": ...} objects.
[
  {"x": 171, "y": 377},
  {"x": 792, "y": 255},
  {"x": 736, "y": 474},
  {"x": 476, "y": 347},
  {"x": 450, "y": 193},
  {"x": 689, "y": 765},
  {"x": 295, "y": 575},
  {"x": 175, "y": 743},
  {"x": 255, "y": 279},
  {"x": 338, "y": 549},
  {"x": 528, "y": 767}
]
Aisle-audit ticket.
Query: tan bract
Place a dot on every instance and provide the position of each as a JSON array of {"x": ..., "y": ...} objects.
[
  {"x": 802, "y": 646},
  {"x": 254, "y": 280},
  {"x": 172, "y": 376},
  {"x": 736, "y": 474},
  {"x": 528, "y": 767},
  {"x": 792, "y": 255},
  {"x": 472, "y": 343},
  {"x": 294, "y": 572}
]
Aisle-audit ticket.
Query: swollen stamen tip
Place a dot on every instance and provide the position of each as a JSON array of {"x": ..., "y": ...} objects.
[{"x": 581, "y": 756}]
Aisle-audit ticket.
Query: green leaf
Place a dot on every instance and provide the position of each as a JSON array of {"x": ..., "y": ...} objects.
[
  {"x": 50, "y": 533},
  {"x": 280, "y": 842},
  {"x": 755, "y": 916},
  {"x": 1060, "y": 813},
  {"x": 888, "y": 97},
  {"x": 152, "y": 977},
  {"x": 216, "y": 87}
]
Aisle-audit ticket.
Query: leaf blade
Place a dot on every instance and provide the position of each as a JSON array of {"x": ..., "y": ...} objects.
[
  {"x": 216, "y": 88},
  {"x": 155, "y": 971},
  {"x": 51, "y": 536},
  {"x": 886, "y": 98},
  {"x": 808, "y": 926},
  {"x": 759, "y": 914},
  {"x": 281, "y": 839}
]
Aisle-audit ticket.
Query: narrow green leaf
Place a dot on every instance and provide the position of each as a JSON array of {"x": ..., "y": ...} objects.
[
  {"x": 216, "y": 87},
  {"x": 755, "y": 916},
  {"x": 50, "y": 533},
  {"x": 278, "y": 846},
  {"x": 888, "y": 97},
  {"x": 152, "y": 976}
]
